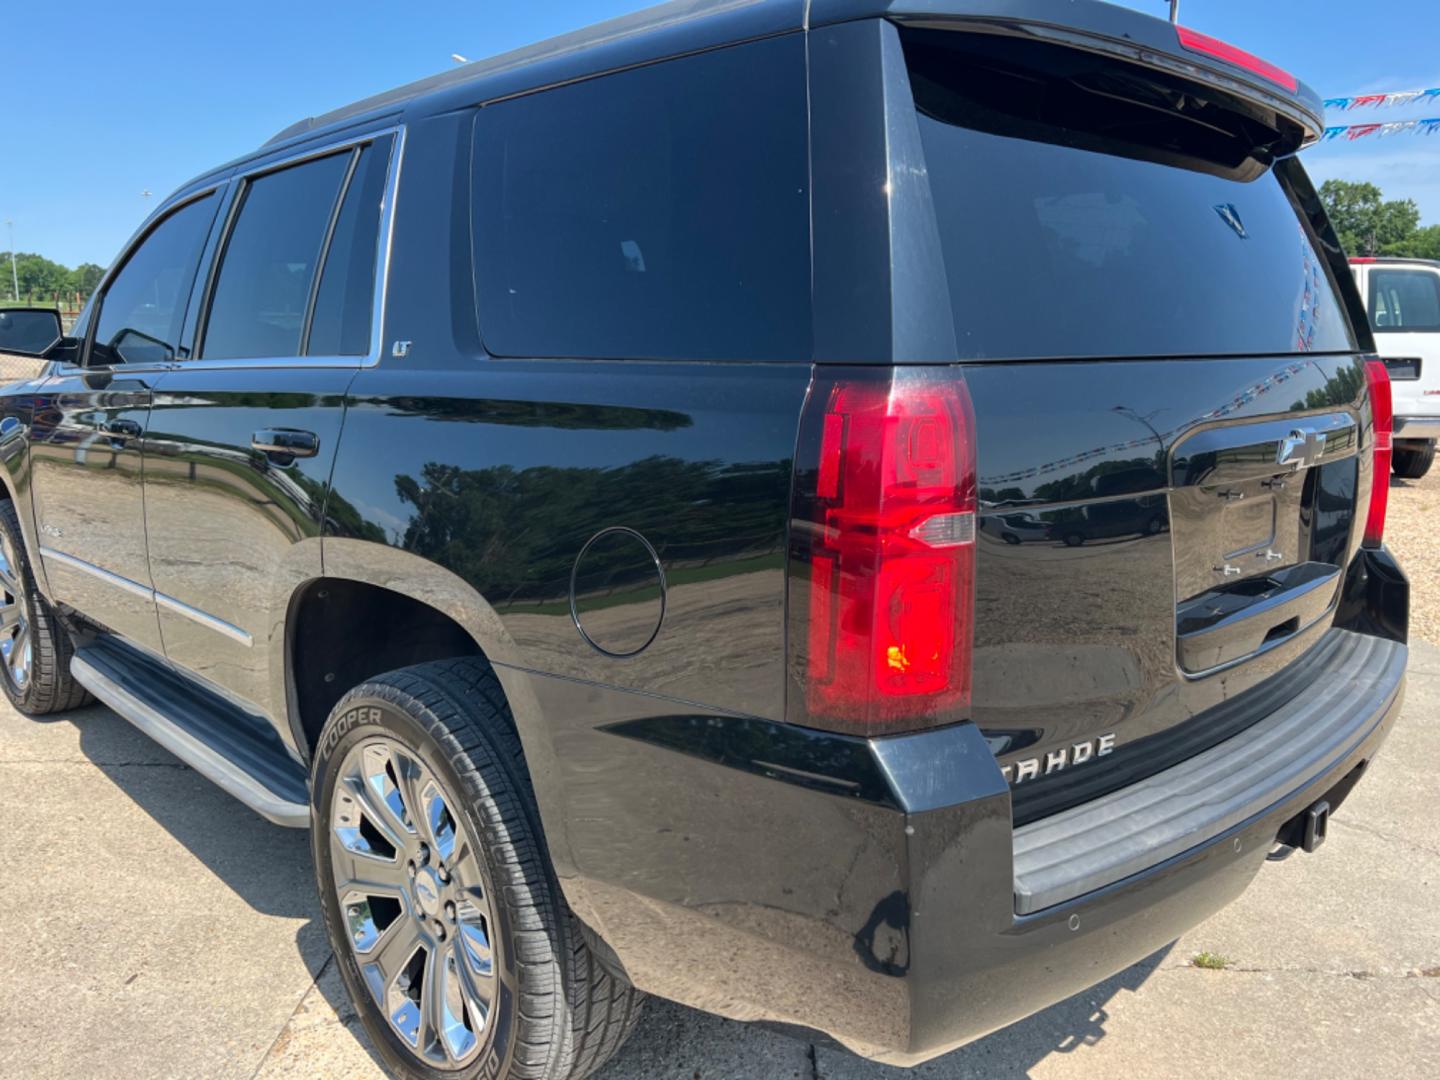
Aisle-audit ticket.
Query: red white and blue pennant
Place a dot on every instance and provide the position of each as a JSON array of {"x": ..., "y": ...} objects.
[
  {"x": 1351, "y": 132},
  {"x": 1402, "y": 97}
]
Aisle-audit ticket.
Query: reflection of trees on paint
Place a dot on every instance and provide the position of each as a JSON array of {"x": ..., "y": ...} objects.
[
  {"x": 564, "y": 416},
  {"x": 514, "y": 533},
  {"x": 1340, "y": 389}
]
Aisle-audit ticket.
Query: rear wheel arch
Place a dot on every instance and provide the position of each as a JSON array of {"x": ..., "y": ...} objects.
[
  {"x": 341, "y": 632},
  {"x": 450, "y": 618}
]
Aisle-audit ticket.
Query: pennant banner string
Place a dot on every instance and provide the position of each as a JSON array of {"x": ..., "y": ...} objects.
[
  {"x": 1402, "y": 97},
  {"x": 1351, "y": 132}
]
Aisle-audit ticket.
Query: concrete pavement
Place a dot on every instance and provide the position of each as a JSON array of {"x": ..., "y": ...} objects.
[{"x": 155, "y": 928}]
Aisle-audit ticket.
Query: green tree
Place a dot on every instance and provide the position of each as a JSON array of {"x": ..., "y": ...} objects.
[
  {"x": 1368, "y": 223},
  {"x": 1421, "y": 244},
  {"x": 85, "y": 277},
  {"x": 37, "y": 274}
]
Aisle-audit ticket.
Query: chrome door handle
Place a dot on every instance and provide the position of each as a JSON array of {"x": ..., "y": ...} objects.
[
  {"x": 287, "y": 441},
  {"x": 120, "y": 430}
]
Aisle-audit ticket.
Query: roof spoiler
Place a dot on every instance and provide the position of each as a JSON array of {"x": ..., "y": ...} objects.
[{"x": 1119, "y": 32}]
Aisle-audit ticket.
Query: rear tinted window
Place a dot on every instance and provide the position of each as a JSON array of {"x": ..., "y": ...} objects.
[
  {"x": 655, "y": 213},
  {"x": 1056, "y": 251},
  {"x": 263, "y": 287},
  {"x": 340, "y": 325},
  {"x": 1404, "y": 299}
]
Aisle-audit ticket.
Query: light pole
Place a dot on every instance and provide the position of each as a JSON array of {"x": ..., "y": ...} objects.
[
  {"x": 1175, "y": 11},
  {"x": 14, "y": 274}
]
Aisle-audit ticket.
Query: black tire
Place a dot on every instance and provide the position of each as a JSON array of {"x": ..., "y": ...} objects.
[
  {"x": 1074, "y": 539},
  {"x": 1411, "y": 463},
  {"x": 570, "y": 1015},
  {"x": 48, "y": 686}
]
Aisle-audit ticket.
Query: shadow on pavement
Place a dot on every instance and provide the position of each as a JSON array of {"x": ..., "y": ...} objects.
[
  {"x": 659, "y": 1048},
  {"x": 1013, "y": 1051},
  {"x": 270, "y": 869},
  {"x": 267, "y": 866}
]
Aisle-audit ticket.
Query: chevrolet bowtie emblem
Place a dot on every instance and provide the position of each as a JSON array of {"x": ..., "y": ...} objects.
[{"x": 1300, "y": 449}]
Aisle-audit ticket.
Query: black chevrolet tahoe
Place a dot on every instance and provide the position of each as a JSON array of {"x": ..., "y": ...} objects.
[{"x": 861, "y": 514}]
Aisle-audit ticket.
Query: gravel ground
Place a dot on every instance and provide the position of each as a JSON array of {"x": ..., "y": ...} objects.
[{"x": 1410, "y": 530}]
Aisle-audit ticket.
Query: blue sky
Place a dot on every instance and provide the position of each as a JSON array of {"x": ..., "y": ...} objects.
[{"x": 105, "y": 99}]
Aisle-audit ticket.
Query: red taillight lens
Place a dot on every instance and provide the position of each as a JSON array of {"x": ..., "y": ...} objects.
[
  {"x": 1203, "y": 43},
  {"x": 888, "y": 539},
  {"x": 1382, "y": 413}
]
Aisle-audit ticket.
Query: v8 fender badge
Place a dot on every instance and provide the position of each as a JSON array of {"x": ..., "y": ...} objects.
[{"x": 1063, "y": 757}]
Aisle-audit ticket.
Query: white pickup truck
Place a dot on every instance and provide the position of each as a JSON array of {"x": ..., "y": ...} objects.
[{"x": 1402, "y": 297}]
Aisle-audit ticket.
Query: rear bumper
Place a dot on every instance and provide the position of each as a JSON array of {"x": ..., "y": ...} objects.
[
  {"x": 1417, "y": 427},
  {"x": 1056, "y": 950},
  {"x": 1095, "y": 844},
  {"x": 876, "y": 890}
]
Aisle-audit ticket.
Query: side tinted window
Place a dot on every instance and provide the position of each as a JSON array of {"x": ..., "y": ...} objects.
[
  {"x": 262, "y": 290},
  {"x": 655, "y": 213},
  {"x": 1404, "y": 299},
  {"x": 144, "y": 304},
  {"x": 341, "y": 323}
]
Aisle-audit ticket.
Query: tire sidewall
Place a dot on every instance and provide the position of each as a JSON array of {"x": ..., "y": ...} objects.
[
  {"x": 359, "y": 716},
  {"x": 1411, "y": 463},
  {"x": 9, "y": 524}
]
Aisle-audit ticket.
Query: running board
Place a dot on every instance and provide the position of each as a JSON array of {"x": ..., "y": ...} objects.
[{"x": 237, "y": 751}]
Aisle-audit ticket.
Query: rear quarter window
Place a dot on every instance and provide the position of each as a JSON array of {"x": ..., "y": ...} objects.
[{"x": 657, "y": 213}]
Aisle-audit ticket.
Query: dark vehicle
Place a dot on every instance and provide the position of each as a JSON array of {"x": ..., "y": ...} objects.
[{"x": 555, "y": 484}]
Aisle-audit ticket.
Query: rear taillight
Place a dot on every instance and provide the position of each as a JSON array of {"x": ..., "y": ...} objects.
[
  {"x": 883, "y": 550},
  {"x": 1222, "y": 50},
  {"x": 1377, "y": 380}
]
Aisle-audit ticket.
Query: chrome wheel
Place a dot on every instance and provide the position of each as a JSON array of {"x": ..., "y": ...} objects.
[
  {"x": 414, "y": 902},
  {"x": 15, "y": 646}
]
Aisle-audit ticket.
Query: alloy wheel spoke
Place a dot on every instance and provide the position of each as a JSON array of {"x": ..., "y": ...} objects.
[
  {"x": 358, "y": 869},
  {"x": 478, "y": 990},
  {"x": 465, "y": 866},
  {"x": 394, "y": 949},
  {"x": 473, "y": 933},
  {"x": 387, "y": 773},
  {"x": 434, "y": 1028},
  {"x": 411, "y": 778},
  {"x": 10, "y": 617},
  {"x": 19, "y": 658},
  {"x": 441, "y": 825},
  {"x": 365, "y": 921},
  {"x": 365, "y": 873},
  {"x": 379, "y": 813}
]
